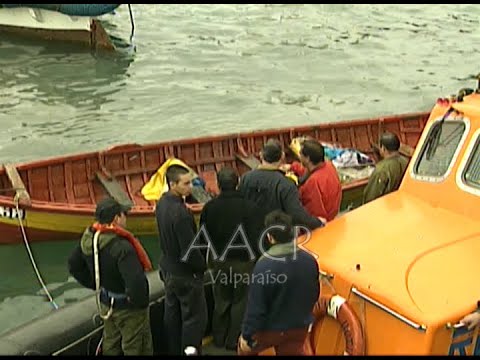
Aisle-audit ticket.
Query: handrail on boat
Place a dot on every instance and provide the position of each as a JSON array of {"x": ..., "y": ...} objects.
[{"x": 400, "y": 317}]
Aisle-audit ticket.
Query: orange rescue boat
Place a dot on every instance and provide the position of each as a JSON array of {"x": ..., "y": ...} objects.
[{"x": 405, "y": 266}]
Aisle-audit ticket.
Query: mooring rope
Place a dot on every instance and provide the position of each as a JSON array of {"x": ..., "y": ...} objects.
[{"x": 30, "y": 255}]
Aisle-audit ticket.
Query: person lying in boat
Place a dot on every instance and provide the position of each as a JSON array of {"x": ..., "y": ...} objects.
[
  {"x": 389, "y": 171},
  {"x": 284, "y": 289},
  {"x": 182, "y": 265},
  {"x": 320, "y": 188},
  {"x": 122, "y": 287},
  {"x": 268, "y": 186},
  {"x": 234, "y": 229}
]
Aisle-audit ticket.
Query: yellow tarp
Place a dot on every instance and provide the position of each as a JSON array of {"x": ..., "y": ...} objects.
[{"x": 158, "y": 185}]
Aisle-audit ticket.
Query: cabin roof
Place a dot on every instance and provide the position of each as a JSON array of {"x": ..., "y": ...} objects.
[{"x": 421, "y": 262}]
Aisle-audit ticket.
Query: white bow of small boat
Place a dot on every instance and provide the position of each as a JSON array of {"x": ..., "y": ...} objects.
[{"x": 43, "y": 19}]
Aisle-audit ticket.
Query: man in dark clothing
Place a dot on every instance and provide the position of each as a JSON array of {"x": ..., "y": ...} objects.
[
  {"x": 268, "y": 186},
  {"x": 284, "y": 288},
  {"x": 228, "y": 219},
  {"x": 123, "y": 286},
  {"x": 182, "y": 266},
  {"x": 389, "y": 171}
]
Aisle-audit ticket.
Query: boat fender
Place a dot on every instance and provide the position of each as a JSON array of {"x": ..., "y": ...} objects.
[{"x": 339, "y": 309}]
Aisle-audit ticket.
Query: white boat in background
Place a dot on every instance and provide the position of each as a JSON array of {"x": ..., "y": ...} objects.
[{"x": 75, "y": 23}]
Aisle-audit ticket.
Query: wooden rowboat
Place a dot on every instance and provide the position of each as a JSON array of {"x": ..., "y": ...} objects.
[{"x": 57, "y": 196}]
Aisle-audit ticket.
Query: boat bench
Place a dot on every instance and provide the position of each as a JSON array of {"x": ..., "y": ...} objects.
[
  {"x": 114, "y": 189},
  {"x": 251, "y": 160},
  {"x": 406, "y": 150},
  {"x": 18, "y": 185}
]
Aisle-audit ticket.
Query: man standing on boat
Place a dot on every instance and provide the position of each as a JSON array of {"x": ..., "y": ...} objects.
[
  {"x": 389, "y": 171},
  {"x": 234, "y": 228},
  {"x": 320, "y": 188},
  {"x": 284, "y": 289},
  {"x": 268, "y": 186},
  {"x": 182, "y": 266},
  {"x": 112, "y": 261}
]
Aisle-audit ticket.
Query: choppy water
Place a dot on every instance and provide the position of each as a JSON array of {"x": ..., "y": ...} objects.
[{"x": 208, "y": 69}]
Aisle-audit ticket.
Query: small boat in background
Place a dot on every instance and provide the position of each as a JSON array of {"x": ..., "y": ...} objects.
[
  {"x": 57, "y": 196},
  {"x": 63, "y": 22}
]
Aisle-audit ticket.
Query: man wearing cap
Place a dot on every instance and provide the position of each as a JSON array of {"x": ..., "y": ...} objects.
[
  {"x": 268, "y": 186},
  {"x": 122, "y": 289}
]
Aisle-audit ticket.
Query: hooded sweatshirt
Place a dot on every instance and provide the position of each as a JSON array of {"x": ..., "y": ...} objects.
[{"x": 120, "y": 269}]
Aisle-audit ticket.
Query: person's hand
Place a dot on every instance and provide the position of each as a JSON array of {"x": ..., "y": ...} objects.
[
  {"x": 323, "y": 220},
  {"x": 471, "y": 320},
  {"x": 285, "y": 167},
  {"x": 244, "y": 345}
]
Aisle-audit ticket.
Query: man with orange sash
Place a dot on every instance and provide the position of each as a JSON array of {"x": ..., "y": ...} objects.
[{"x": 110, "y": 260}]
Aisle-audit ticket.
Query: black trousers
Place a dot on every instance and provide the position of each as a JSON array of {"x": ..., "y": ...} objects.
[
  {"x": 230, "y": 291},
  {"x": 186, "y": 313}
]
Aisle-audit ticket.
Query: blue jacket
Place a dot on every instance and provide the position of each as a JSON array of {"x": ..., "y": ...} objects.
[{"x": 282, "y": 294}]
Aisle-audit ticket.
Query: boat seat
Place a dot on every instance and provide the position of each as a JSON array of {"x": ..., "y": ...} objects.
[
  {"x": 200, "y": 194},
  {"x": 406, "y": 150},
  {"x": 210, "y": 178},
  {"x": 114, "y": 189},
  {"x": 250, "y": 160},
  {"x": 17, "y": 183}
]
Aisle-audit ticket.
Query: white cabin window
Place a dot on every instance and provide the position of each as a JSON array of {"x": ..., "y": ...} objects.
[
  {"x": 471, "y": 174},
  {"x": 439, "y": 148}
]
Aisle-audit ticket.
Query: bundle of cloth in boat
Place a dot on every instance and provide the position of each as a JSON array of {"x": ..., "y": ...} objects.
[
  {"x": 158, "y": 184},
  {"x": 340, "y": 157}
]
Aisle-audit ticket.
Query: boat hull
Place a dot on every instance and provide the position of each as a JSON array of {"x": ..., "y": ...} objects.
[
  {"x": 64, "y": 190},
  {"x": 70, "y": 9},
  {"x": 44, "y": 226},
  {"x": 52, "y": 25}
]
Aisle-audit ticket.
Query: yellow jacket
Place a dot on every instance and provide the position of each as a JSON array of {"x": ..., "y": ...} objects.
[{"x": 158, "y": 184}]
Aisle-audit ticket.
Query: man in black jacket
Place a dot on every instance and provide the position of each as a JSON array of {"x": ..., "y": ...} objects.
[
  {"x": 122, "y": 281},
  {"x": 182, "y": 266},
  {"x": 268, "y": 186},
  {"x": 284, "y": 288},
  {"x": 234, "y": 228}
]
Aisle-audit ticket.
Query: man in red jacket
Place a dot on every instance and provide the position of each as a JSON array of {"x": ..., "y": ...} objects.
[{"x": 320, "y": 188}]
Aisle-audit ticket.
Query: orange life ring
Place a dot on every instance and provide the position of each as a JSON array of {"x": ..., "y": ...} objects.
[{"x": 338, "y": 308}]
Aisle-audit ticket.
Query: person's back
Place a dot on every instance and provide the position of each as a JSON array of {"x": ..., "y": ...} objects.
[
  {"x": 234, "y": 228},
  {"x": 268, "y": 188},
  {"x": 276, "y": 315},
  {"x": 298, "y": 274},
  {"x": 389, "y": 172},
  {"x": 271, "y": 190},
  {"x": 123, "y": 286},
  {"x": 232, "y": 214}
]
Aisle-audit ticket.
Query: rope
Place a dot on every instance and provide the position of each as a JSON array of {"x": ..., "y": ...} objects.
[
  {"x": 132, "y": 33},
  {"x": 97, "y": 280},
  {"x": 30, "y": 255},
  {"x": 76, "y": 342},
  {"x": 99, "y": 346}
]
